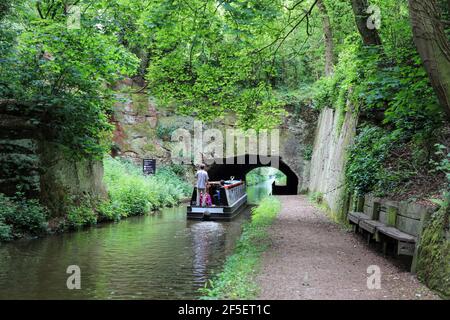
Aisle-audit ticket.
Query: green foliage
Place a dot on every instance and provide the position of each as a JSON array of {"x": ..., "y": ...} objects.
[
  {"x": 333, "y": 91},
  {"x": 5, "y": 6},
  {"x": 298, "y": 99},
  {"x": 443, "y": 165},
  {"x": 132, "y": 193},
  {"x": 366, "y": 158},
  {"x": 367, "y": 169},
  {"x": 237, "y": 280},
  {"x": 165, "y": 132},
  {"x": 316, "y": 197},
  {"x": 80, "y": 216},
  {"x": 398, "y": 88},
  {"x": 254, "y": 177},
  {"x": 389, "y": 90},
  {"x": 211, "y": 58},
  {"x": 109, "y": 211},
  {"x": 6, "y": 233},
  {"x": 264, "y": 174},
  {"x": 177, "y": 169},
  {"x": 60, "y": 77},
  {"x": 308, "y": 152},
  {"x": 20, "y": 216}
]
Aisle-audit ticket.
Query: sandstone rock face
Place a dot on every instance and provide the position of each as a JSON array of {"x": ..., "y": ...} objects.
[
  {"x": 296, "y": 135},
  {"x": 62, "y": 179},
  {"x": 144, "y": 130},
  {"x": 329, "y": 156},
  {"x": 136, "y": 118}
]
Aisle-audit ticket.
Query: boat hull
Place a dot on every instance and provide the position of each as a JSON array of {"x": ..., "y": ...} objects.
[{"x": 225, "y": 213}]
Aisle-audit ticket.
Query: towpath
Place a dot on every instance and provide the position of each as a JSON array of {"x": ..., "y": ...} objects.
[{"x": 314, "y": 258}]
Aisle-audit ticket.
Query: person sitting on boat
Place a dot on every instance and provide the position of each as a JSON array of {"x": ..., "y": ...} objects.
[
  {"x": 216, "y": 193},
  {"x": 202, "y": 182},
  {"x": 207, "y": 198}
]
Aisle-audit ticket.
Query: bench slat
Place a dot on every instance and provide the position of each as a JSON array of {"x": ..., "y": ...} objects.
[
  {"x": 407, "y": 225},
  {"x": 355, "y": 217},
  {"x": 396, "y": 234},
  {"x": 371, "y": 225},
  {"x": 405, "y": 248}
]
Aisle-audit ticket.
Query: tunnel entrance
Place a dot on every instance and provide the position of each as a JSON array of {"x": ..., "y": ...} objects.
[{"x": 228, "y": 167}]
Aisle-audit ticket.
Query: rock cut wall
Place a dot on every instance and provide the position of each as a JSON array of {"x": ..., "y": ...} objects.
[
  {"x": 333, "y": 137},
  {"x": 32, "y": 164},
  {"x": 144, "y": 128}
]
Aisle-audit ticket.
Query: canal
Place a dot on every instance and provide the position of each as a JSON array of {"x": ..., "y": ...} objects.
[{"x": 157, "y": 256}]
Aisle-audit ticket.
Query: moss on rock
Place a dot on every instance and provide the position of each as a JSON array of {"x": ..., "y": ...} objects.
[{"x": 434, "y": 253}]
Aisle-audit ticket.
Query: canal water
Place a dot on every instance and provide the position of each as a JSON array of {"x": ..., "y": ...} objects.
[
  {"x": 259, "y": 191},
  {"x": 157, "y": 256}
]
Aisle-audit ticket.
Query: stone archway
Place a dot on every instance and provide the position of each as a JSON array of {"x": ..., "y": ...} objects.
[{"x": 239, "y": 166}]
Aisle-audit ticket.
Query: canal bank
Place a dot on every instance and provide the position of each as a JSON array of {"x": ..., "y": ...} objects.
[
  {"x": 128, "y": 193},
  {"x": 237, "y": 280}
]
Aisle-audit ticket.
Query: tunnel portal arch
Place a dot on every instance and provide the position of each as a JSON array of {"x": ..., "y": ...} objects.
[{"x": 227, "y": 167}]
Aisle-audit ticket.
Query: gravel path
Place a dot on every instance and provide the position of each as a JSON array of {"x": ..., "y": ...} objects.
[{"x": 314, "y": 258}]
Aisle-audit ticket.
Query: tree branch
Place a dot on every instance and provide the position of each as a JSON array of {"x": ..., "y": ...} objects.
[
  {"x": 283, "y": 39},
  {"x": 38, "y": 6}
]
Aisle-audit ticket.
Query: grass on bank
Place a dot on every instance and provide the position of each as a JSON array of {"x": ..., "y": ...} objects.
[
  {"x": 237, "y": 280},
  {"x": 131, "y": 193}
]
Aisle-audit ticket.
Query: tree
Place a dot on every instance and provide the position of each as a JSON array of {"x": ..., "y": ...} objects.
[
  {"x": 370, "y": 37},
  {"x": 328, "y": 33},
  {"x": 62, "y": 76},
  {"x": 210, "y": 58},
  {"x": 433, "y": 46}
]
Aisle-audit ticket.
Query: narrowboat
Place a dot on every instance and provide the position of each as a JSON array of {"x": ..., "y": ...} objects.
[{"x": 228, "y": 198}]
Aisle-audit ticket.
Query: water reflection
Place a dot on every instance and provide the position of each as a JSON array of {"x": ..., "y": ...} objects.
[
  {"x": 162, "y": 256},
  {"x": 259, "y": 191},
  {"x": 205, "y": 236}
]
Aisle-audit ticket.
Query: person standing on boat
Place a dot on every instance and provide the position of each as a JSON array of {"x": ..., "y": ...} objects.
[{"x": 202, "y": 181}]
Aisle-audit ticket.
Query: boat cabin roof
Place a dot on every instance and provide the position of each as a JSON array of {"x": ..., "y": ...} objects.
[{"x": 229, "y": 186}]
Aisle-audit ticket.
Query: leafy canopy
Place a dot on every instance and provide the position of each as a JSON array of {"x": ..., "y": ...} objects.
[{"x": 62, "y": 77}]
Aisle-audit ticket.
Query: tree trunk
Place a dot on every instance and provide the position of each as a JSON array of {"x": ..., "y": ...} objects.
[
  {"x": 370, "y": 36},
  {"x": 328, "y": 32},
  {"x": 433, "y": 47}
]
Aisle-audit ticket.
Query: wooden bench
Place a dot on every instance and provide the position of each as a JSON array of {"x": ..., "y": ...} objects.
[
  {"x": 364, "y": 209},
  {"x": 406, "y": 243},
  {"x": 404, "y": 226},
  {"x": 397, "y": 221},
  {"x": 378, "y": 219}
]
